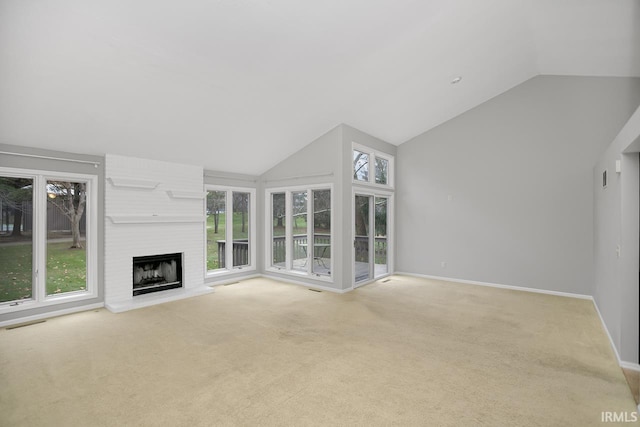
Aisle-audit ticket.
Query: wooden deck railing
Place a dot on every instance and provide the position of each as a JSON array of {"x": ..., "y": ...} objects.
[
  {"x": 241, "y": 249},
  {"x": 379, "y": 247},
  {"x": 240, "y": 252}
]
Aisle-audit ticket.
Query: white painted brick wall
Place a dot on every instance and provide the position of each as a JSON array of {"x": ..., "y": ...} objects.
[{"x": 125, "y": 241}]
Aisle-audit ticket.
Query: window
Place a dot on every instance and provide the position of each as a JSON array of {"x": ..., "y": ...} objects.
[
  {"x": 279, "y": 230},
  {"x": 299, "y": 241},
  {"x": 382, "y": 163},
  {"x": 300, "y": 223},
  {"x": 66, "y": 237},
  {"x": 16, "y": 238},
  {"x": 48, "y": 248},
  {"x": 216, "y": 230},
  {"x": 322, "y": 232},
  {"x": 360, "y": 166},
  {"x": 230, "y": 218},
  {"x": 382, "y": 170}
]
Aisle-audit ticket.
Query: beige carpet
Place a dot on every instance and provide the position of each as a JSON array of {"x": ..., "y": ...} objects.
[{"x": 260, "y": 352}]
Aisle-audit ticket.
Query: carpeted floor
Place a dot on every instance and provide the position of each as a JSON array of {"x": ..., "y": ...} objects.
[{"x": 260, "y": 352}]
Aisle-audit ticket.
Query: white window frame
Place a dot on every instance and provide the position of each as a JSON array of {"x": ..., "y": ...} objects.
[
  {"x": 288, "y": 270},
  {"x": 229, "y": 268},
  {"x": 390, "y": 196},
  {"x": 39, "y": 232},
  {"x": 373, "y": 154}
]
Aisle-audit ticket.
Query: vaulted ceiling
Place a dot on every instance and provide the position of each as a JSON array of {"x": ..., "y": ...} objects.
[{"x": 238, "y": 85}]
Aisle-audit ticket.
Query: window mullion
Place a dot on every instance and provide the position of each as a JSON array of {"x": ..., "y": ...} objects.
[
  {"x": 228, "y": 248},
  {"x": 40, "y": 237},
  {"x": 310, "y": 235},
  {"x": 288, "y": 234}
]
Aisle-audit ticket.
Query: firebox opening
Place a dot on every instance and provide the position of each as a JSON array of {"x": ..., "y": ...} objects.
[{"x": 157, "y": 273}]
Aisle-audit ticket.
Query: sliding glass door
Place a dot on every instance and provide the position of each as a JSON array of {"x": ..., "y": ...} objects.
[
  {"x": 371, "y": 240},
  {"x": 362, "y": 238}
]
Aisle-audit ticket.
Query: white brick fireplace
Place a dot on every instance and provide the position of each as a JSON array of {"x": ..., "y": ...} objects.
[{"x": 152, "y": 208}]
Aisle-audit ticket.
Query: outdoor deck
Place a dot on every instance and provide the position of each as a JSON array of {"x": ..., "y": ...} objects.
[{"x": 321, "y": 262}]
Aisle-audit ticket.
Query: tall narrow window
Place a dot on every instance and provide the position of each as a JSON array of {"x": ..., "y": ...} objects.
[
  {"x": 362, "y": 237},
  {"x": 279, "y": 230},
  {"x": 216, "y": 229},
  {"x": 380, "y": 237},
  {"x": 360, "y": 166},
  {"x": 299, "y": 224},
  {"x": 322, "y": 232},
  {"x": 240, "y": 229},
  {"x": 16, "y": 238},
  {"x": 66, "y": 237}
]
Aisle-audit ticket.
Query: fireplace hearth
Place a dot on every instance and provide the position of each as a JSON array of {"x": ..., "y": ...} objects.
[{"x": 156, "y": 273}]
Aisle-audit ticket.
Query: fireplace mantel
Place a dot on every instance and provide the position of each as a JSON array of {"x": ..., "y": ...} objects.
[{"x": 133, "y": 183}]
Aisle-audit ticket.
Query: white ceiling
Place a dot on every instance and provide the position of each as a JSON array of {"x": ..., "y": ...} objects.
[{"x": 237, "y": 85}]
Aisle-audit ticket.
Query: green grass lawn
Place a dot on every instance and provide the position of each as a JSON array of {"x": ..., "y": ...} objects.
[
  {"x": 212, "y": 238},
  {"x": 66, "y": 270}
]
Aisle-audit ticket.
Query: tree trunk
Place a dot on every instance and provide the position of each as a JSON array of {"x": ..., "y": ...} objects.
[
  {"x": 17, "y": 223},
  {"x": 75, "y": 209},
  {"x": 75, "y": 231},
  {"x": 216, "y": 221},
  {"x": 243, "y": 220}
]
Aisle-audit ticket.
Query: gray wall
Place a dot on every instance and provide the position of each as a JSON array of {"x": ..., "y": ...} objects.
[
  {"x": 617, "y": 223},
  {"x": 504, "y": 192},
  {"x": 320, "y": 162},
  {"x": 328, "y": 159},
  {"x": 65, "y": 167}
]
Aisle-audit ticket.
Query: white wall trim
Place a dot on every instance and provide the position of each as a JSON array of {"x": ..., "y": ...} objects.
[
  {"x": 228, "y": 280},
  {"x": 496, "y": 285},
  {"x": 630, "y": 366},
  {"x": 305, "y": 284},
  {"x": 613, "y": 346},
  {"x": 51, "y": 314}
]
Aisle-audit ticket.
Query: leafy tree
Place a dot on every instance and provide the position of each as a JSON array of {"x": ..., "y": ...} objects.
[
  {"x": 13, "y": 193},
  {"x": 322, "y": 209},
  {"x": 215, "y": 205},
  {"x": 360, "y": 160},
  {"x": 278, "y": 206},
  {"x": 71, "y": 199},
  {"x": 299, "y": 207},
  {"x": 241, "y": 204},
  {"x": 382, "y": 166},
  {"x": 381, "y": 216},
  {"x": 362, "y": 216}
]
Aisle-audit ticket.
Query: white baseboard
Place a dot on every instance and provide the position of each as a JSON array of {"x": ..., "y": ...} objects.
[
  {"x": 613, "y": 346},
  {"x": 496, "y": 285},
  {"x": 306, "y": 285},
  {"x": 231, "y": 280},
  {"x": 630, "y": 366},
  {"x": 50, "y": 314}
]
